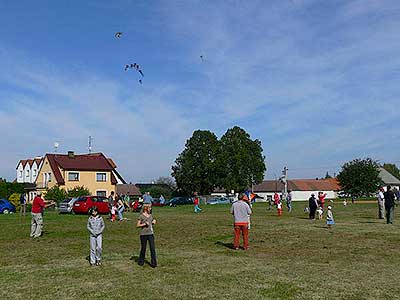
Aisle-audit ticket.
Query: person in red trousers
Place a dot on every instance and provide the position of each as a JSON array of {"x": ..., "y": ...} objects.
[{"x": 241, "y": 212}]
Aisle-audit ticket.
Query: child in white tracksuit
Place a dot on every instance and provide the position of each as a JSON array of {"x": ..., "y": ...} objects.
[{"x": 95, "y": 226}]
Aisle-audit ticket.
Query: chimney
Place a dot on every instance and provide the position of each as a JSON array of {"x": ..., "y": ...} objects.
[{"x": 71, "y": 154}]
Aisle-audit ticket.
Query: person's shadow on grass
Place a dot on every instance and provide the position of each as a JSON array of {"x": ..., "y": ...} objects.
[
  {"x": 135, "y": 258},
  {"x": 227, "y": 245}
]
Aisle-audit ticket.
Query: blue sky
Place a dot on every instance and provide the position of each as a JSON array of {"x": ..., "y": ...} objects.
[{"x": 316, "y": 81}]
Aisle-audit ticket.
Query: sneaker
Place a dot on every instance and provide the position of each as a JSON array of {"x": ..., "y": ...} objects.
[{"x": 98, "y": 263}]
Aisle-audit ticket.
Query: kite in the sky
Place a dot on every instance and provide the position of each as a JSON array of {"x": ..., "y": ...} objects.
[
  {"x": 202, "y": 57},
  {"x": 127, "y": 67},
  {"x": 141, "y": 73},
  {"x": 140, "y": 81},
  {"x": 118, "y": 35}
]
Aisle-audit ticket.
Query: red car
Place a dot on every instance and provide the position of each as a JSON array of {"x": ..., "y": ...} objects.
[{"x": 84, "y": 203}]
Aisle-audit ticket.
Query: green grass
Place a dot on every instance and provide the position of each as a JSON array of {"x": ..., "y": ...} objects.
[{"x": 289, "y": 258}]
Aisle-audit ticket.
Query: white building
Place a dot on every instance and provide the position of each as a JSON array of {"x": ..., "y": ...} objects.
[
  {"x": 27, "y": 170},
  {"x": 301, "y": 189}
]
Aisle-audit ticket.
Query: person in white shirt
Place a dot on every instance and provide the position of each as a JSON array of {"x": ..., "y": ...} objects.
[{"x": 381, "y": 204}]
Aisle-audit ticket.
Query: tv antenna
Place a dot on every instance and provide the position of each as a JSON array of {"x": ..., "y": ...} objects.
[
  {"x": 56, "y": 145},
  {"x": 90, "y": 143}
]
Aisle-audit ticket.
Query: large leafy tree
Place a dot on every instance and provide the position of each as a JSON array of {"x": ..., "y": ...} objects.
[
  {"x": 360, "y": 177},
  {"x": 392, "y": 169},
  {"x": 194, "y": 169},
  {"x": 240, "y": 160}
]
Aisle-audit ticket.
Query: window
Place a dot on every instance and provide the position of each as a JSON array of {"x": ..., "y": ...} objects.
[
  {"x": 101, "y": 193},
  {"x": 27, "y": 173},
  {"x": 20, "y": 173},
  {"x": 34, "y": 172},
  {"x": 49, "y": 177},
  {"x": 101, "y": 176},
  {"x": 73, "y": 176}
]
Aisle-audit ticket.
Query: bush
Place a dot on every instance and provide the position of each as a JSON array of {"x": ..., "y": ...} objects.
[
  {"x": 14, "y": 199},
  {"x": 78, "y": 191},
  {"x": 56, "y": 194}
]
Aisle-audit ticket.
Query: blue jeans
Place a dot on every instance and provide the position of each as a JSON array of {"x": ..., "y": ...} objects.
[
  {"x": 289, "y": 206},
  {"x": 197, "y": 209},
  {"x": 120, "y": 211}
]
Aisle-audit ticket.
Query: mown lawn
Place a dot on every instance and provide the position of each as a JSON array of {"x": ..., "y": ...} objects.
[{"x": 289, "y": 257}]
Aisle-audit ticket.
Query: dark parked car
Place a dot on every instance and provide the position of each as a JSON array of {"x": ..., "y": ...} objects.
[
  {"x": 84, "y": 203},
  {"x": 6, "y": 207},
  {"x": 179, "y": 201},
  {"x": 219, "y": 200}
]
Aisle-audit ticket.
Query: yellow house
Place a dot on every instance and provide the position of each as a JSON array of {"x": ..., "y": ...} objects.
[{"x": 93, "y": 171}]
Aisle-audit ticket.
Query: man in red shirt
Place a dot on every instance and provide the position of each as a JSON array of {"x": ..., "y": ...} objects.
[{"x": 38, "y": 205}]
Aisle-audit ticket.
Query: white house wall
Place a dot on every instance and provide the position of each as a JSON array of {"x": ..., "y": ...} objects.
[{"x": 20, "y": 176}]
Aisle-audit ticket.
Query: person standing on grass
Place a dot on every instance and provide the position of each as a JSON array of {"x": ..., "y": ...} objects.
[
  {"x": 329, "y": 218},
  {"x": 120, "y": 209},
  {"x": 241, "y": 212},
  {"x": 148, "y": 199},
  {"x": 276, "y": 198},
  {"x": 312, "y": 204},
  {"x": 22, "y": 202},
  {"x": 321, "y": 199},
  {"x": 146, "y": 222},
  {"x": 96, "y": 226},
  {"x": 389, "y": 204},
  {"x": 396, "y": 192},
  {"x": 289, "y": 201},
  {"x": 196, "y": 203},
  {"x": 38, "y": 205},
  {"x": 111, "y": 199},
  {"x": 381, "y": 203},
  {"x": 279, "y": 208}
]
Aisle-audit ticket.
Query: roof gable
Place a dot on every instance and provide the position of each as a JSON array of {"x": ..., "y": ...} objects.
[{"x": 387, "y": 177}]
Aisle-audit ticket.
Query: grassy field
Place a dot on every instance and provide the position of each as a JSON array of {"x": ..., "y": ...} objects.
[{"x": 289, "y": 258}]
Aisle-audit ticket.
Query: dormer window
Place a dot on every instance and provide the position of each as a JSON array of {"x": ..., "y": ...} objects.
[{"x": 27, "y": 173}]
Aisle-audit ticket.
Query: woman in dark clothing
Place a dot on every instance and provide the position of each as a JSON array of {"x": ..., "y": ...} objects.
[
  {"x": 312, "y": 204},
  {"x": 146, "y": 222}
]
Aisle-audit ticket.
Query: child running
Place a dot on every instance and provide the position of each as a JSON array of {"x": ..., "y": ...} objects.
[
  {"x": 329, "y": 218},
  {"x": 96, "y": 227},
  {"x": 146, "y": 222}
]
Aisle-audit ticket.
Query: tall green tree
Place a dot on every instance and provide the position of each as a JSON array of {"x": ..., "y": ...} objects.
[
  {"x": 240, "y": 160},
  {"x": 392, "y": 169},
  {"x": 360, "y": 177},
  {"x": 194, "y": 169}
]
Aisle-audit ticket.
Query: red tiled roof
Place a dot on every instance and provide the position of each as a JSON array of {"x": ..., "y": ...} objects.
[
  {"x": 82, "y": 162},
  {"x": 112, "y": 163},
  {"x": 132, "y": 189},
  {"x": 30, "y": 162},
  {"x": 330, "y": 184},
  {"x": 38, "y": 161}
]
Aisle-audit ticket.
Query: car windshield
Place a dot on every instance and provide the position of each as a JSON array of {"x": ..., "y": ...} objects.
[{"x": 66, "y": 201}]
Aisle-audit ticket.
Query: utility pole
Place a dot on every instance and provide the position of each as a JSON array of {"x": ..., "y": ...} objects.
[{"x": 284, "y": 181}]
